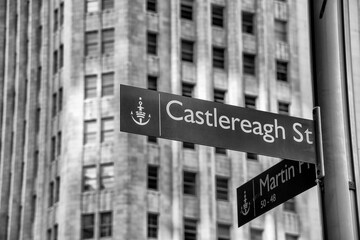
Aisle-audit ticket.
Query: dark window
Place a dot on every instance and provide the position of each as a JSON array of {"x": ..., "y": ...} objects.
[
  {"x": 55, "y": 62},
  {"x": 57, "y": 193},
  {"x": 107, "y": 176},
  {"x": 152, "y": 82},
  {"x": 90, "y": 131},
  {"x": 56, "y": 19},
  {"x": 189, "y": 183},
  {"x": 91, "y": 43},
  {"x": 218, "y": 57},
  {"x": 222, "y": 188},
  {"x": 49, "y": 234},
  {"x": 247, "y": 22},
  {"x": 108, "y": 41},
  {"x": 190, "y": 231},
  {"x": 51, "y": 193},
  {"x": 89, "y": 178},
  {"x": 59, "y": 143},
  {"x": 107, "y": 4},
  {"x": 249, "y": 64},
  {"x": 187, "y": 50},
  {"x": 54, "y": 103},
  {"x": 289, "y": 236},
  {"x": 151, "y": 5},
  {"x": 61, "y": 13},
  {"x": 289, "y": 205},
  {"x": 88, "y": 226},
  {"x": 187, "y": 89},
  {"x": 219, "y": 96},
  {"x": 152, "y": 179},
  {"x": 219, "y": 150},
  {"x": 282, "y": 71},
  {"x": 186, "y": 9},
  {"x": 256, "y": 234},
  {"x": 188, "y": 145},
  {"x": 281, "y": 30},
  {"x": 152, "y": 225},
  {"x": 252, "y": 156},
  {"x": 60, "y": 99},
  {"x": 217, "y": 15},
  {"x": 283, "y": 108},
  {"x": 61, "y": 56},
  {"x": 223, "y": 232},
  {"x": 152, "y": 139},
  {"x": 107, "y": 129},
  {"x": 92, "y": 6},
  {"x": 53, "y": 148},
  {"x": 107, "y": 84},
  {"x": 106, "y": 224},
  {"x": 151, "y": 43},
  {"x": 250, "y": 101},
  {"x": 90, "y": 86},
  {"x": 55, "y": 232}
]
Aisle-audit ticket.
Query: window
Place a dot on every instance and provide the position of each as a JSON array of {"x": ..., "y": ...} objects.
[
  {"x": 289, "y": 236},
  {"x": 151, "y": 43},
  {"x": 107, "y": 176},
  {"x": 151, "y": 5},
  {"x": 91, "y": 43},
  {"x": 49, "y": 234},
  {"x": 221, "y": 151},
  {"x": 247, "y": 22},
  {"x": 53, "y": 148},
  {"x": 106, "y": 224},
  {"x": 57, "y": 193},
  {"x": 61, "y": 13},
  {"x": 152, "y": 225},
  {"x": 186, "y": 9},
  {"x": 190, "y": 231},
  {"x": 187, "y": 50},
  {"x": 60, "y": 99},
  {"x": 90, "y": 131},
  {"x": 250, "y": 102},
  {"x": 107, "y": 84},
  {"x": 152, "y": 179},
  {"x": 107, "y": 41},
  {"x": 187, "y": 89},
  {"x": 55, "y": 62},
  {"x": 281, "y": 71},
  {"x": 51, "y": 193},
  {"x": 217, "y": 15},
  {"x": 223, "y": 232},
  {"x": 289, "y": 205},
  {"x": 54, "y": 103},
  {"x": 90, "y": 86},
  {"x": 283, "y": 108},
  {"x": 249, "y": 64},
  {"x": 56, "y": 19},
  {"x": 89, "y": 178},
  {"x": 107, "y": 4},
  {"x": 107, "y": 129},
  {"x": 222, "y": 188},
  {"x": 218, "y": 57},
  {"x": 61, "y": 56},
  {"x": 92, "y": 6},
  {"x": 255, "y": 234},
  {"x": 189, "y": 183},
  {"x": 55, "y": 232},
  {"x": 252, "y": 156},
  {"x": 87, "y": 226},
  {"x": 59, "y": 143},
  {"x": 219, "y": 96},
  {"x": 281, "y": 30},
  {"x": 152, "y": 82}
]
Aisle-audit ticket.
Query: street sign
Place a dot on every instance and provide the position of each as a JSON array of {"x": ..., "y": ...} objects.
[
  {"x": 276, "y": 185},
  {"x": 209, "y": 123}
]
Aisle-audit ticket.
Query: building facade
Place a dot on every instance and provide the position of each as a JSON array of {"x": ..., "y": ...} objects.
[{"x": 66, "y": 170}]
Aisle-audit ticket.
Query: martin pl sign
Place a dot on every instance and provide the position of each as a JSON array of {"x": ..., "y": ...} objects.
[
  {"x": 276, "y": 185},
  {"x": 187, "y": 119}
]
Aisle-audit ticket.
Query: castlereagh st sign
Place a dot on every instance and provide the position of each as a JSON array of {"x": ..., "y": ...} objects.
[{"x": 175, "y": 117}]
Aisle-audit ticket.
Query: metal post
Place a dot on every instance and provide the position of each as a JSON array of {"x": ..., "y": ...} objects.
[{"x": 329, "y": 80}]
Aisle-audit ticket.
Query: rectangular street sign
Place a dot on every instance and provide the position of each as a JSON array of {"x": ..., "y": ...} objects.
[
  {"x": 276, "y": 185},
  {"x": 209, "y": 123}
]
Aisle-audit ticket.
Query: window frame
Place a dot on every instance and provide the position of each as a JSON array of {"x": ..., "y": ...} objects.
[
  {"x": 282, "y": 71},
  {"x": 222, "y": 188},
  {"x": 153, "y": 177},
  {"x": 107, "y": 128},
  {"x": 189, "y": 183},
  {"x": 217, "y": 15},
  {"x": 186, "y": 9},
  {"x": 105, "y": 227},
  {"x": 90, "y": 129},
  {"x": 187, "y": 50},
  {"x": 106, "y": 177},
  {"x": 90, "y": 226},
  {"x": 108, "y": 41},
  {"x": 152, "y": 225},
  {"x": 152, "y": 43},
  {"x": 92, "y": 178},
  {"x": 218, "y": 57},
  {"x": 107, "y": 84}
]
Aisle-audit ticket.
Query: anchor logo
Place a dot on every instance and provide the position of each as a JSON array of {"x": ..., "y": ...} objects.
[
  {"x": 140, "y": 115},
  {"x": 245, "y": 208}
]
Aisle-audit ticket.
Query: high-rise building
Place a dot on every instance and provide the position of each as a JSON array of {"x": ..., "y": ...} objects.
[{"x": 66, "y": 170}]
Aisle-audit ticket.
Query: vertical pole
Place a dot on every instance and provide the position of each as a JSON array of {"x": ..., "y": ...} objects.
[{"x": 329, "y": 80}]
